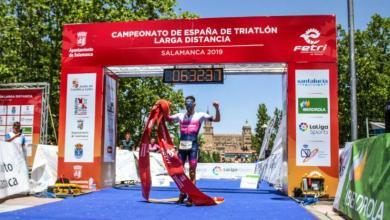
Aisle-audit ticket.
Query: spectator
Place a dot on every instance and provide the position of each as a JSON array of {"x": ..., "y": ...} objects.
[
  {"x": 127, "y": 143},
  {"x": 153, "y": 147},
  {"x": 16, "y": 136}
]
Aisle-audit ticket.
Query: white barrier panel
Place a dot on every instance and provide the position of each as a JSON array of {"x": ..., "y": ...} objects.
[
  {"x": 223, "y": 170},
  {"x": 44, "y": 170},
  {"x": 127, "y": 165},
  {"x": 13, "y": 170}
]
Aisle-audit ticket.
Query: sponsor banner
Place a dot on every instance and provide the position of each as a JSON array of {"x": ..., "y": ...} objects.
[
  {"x": 109, "y": 119},
  {"x": 210, "y": 40},
  {"x": 13, "y": 170},
  {"x": 24, "y": 106},
  {"x": 363, "y": 191},
  {"x": 80, "y": 114},
  {"x": 312, "y": 118},
  {"x": 223, "y": 170}
]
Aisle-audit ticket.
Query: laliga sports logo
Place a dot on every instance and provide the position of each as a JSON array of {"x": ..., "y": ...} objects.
[
  {"x": 217, "y": 170},
  {"x": 81, "y": 38},
  {"x": 311, "y": 38},
  {"x": 303, "y": 126}
]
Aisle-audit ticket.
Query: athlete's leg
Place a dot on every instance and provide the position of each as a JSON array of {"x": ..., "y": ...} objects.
[
  {"x": 183, "y": 155},
  {"x": 193, "y": 160}
]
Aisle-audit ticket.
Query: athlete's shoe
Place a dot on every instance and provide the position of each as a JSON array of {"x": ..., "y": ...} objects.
[
  {"x": 181, "y": 199},
  {"x": 189, "y": 202}
]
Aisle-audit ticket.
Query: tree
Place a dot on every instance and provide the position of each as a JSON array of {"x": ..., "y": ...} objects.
[
  {"x": 372, "y": 71},
  {"x": 136, "y": 98},
  {"x": 31, "y": 35},
  {"x": 216, "y": 157},
  {"x": 262, "y": 119}
]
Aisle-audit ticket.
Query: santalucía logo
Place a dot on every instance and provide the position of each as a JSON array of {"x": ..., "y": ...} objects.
[{"x": 312, "y": 82}]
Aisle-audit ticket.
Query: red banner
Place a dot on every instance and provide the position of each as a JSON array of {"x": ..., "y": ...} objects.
[
  {"x": 157, "y": 117},
  {"x": 24, "y": 106},
  {"x": 210, "y": 40}
]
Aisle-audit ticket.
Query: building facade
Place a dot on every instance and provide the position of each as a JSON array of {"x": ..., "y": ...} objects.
[{"x": 231, "y": 147}]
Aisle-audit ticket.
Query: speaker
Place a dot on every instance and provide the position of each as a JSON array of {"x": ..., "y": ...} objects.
[{"x": 387, "y": 117}]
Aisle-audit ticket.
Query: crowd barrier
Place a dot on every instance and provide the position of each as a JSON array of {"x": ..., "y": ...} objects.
[
  {"x": 364, "y": 187},
  {"x": 44, "y": 171},
  {"x": 13, "y": 170}
]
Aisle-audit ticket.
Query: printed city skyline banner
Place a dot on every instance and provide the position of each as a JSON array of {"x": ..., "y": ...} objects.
[
  {"x": 80, "y": 114},
  {"x": 313, "y": 118}
]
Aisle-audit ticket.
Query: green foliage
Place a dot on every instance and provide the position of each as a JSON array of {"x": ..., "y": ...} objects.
[
  {"x": 373, "y": 75},
  {"x": 209, "y": 157},
  {"x": 136, "y": 98},
  {"x": 262, "y": 119},
  {"x": 30, "y": 46}
]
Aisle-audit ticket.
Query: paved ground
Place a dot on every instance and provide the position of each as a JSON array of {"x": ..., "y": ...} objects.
[
  {"x": 324, "y": 210},
  {"x": 24, "y": 202}
]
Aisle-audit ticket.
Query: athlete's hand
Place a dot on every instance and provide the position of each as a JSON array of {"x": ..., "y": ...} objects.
[{"x": 216, "y": 105}]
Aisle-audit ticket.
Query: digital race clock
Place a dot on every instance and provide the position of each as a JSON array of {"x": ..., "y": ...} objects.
[{"x": 193, "y": 75}]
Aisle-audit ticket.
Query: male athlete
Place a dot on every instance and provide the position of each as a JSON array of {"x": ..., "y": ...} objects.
[{"x": 190, "y": 123}]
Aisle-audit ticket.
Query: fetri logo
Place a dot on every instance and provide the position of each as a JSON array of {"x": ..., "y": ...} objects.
[{"x": 311, "y": 37}]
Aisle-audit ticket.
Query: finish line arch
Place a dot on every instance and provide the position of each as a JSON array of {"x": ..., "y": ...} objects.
[{"x": 305, "y": 45}]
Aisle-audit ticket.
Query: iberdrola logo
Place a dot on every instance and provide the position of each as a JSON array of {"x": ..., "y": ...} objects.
[
  {"x": 312, "y": 105},
  {"x": 358, "y": 164},
  {"x": 305, "y": 104}
]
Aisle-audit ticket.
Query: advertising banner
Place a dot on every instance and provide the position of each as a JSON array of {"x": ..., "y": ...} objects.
[
  {"x": 363, "y": 191},
  {"x": 223, "y": 170},
  {"x": 109, "y": 119},
  {"x": 207, "y": 40},
  {"x": 24, "y": 106},
  {"x": 313, "y": 118},
  {"x": 80, "y": 118},
  {"x": 13, "y": 170}
]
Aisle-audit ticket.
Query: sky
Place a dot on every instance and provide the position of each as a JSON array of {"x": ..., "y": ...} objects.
[{"x": 240, "y": 96}]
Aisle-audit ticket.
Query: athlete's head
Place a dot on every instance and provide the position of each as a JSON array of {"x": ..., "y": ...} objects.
[{"x": 190, "y": 103}]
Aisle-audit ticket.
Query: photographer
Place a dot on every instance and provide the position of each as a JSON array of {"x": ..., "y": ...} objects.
[{"x": 16, "y": 136}]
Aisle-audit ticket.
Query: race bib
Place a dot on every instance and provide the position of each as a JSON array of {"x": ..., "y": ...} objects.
[{"x": 185, "y": 145}]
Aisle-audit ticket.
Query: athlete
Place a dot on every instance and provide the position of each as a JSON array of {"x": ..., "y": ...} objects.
[{"x": 190, "y": 123}]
